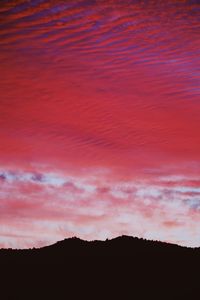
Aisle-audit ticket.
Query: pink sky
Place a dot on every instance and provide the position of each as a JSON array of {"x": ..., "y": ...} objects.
[{"x": 99, "y": 121}]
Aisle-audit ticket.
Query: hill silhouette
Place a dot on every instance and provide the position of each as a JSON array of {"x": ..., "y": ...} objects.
[
  {"x": 125, "y": 265},
  {"x": 121, "y": 246}
]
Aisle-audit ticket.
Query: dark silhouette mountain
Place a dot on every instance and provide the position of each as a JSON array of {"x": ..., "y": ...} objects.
[
  {"x": 121, "y": 246},
  {"x": 140, "y": 268}
]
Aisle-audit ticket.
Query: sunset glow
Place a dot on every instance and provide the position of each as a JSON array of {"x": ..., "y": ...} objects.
[{"x": 99, "y": 121}]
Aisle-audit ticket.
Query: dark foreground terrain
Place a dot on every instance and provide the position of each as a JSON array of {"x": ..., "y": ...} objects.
[
  {"x": 136, "y": 249},
  {"x": 131, "y": 268}
]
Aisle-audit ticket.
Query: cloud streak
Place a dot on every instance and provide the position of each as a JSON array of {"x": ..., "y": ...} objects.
[{"x": 80, "y": 205}]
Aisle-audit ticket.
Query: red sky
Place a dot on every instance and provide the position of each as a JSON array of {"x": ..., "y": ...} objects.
[{"x": 99, "y": 121}]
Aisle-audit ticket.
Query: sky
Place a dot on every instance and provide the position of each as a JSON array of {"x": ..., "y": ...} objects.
[{"x": 99, "y": 121}]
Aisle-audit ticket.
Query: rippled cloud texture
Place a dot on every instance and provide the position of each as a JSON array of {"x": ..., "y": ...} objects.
[{"x": 99, "y": 121}]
